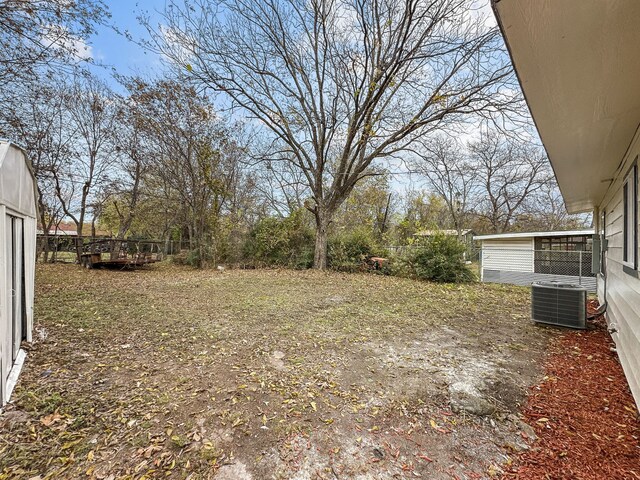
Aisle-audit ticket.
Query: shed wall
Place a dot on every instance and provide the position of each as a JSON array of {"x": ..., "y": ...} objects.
[
  {"x": 17, "y": 189},
  {"x": 511, "y": 255},
  {"x": 17, "y": 262}
]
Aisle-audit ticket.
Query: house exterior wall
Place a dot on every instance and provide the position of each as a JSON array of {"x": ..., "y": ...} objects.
[
  {"x": 587, "y": 127},
  {"x": 621, "y": 290}
]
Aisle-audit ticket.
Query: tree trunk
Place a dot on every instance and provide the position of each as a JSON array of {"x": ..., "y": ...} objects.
[
  {"x": 79, "y": 242},
  {"x": 167, "y": 246},
  {"x": 323, "y": 218},
  {"x": 44, "y": 246}
]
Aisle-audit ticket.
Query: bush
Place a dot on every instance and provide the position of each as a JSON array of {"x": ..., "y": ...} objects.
[
  {"x": 439, "y": 258},
  {"x": 180, "y": 258},
  {"x": 347, "y": 251},
  {"x": 197, "y": 258},
  {"x": 281, "y": 242}
]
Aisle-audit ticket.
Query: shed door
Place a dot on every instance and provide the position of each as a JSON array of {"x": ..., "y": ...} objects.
[
  {"x": 19, "y": 317},
  {"x": 14, "y": 277}
]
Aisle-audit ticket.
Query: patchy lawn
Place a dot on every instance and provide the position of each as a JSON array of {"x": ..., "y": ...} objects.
[{"x": 173, "y": 373}]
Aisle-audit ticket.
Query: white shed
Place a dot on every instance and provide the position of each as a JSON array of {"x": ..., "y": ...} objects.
[
  {"x": 524, "y": 258},
  {"x": 17, "y": 262}
]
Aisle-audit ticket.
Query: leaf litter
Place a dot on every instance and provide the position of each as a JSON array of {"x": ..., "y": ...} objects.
[{"x": 174, "y": 373}]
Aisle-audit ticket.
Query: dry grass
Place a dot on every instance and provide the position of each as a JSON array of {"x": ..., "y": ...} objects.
[{"x": 174, "y": 373}]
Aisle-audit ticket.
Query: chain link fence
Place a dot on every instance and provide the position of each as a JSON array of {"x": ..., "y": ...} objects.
[
  {"x": 523, "y": 266},
  {"x": 520, "y": 266}
]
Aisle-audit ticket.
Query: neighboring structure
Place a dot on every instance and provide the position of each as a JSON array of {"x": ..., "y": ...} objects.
[
  {"x": 428, "y": 233},
  {"x": 523, "y": 258},
  {"x": 17, "y": 262},
  {"x": 70, "y": 229},
  {"x": 60, "y": 244},
  {"x": 466, "y": 236},
  {"x": 61, "y": 230},
  {"x": 578, "y": 65}
]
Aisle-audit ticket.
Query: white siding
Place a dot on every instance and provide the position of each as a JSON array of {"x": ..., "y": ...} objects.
[
  {"x": 622, "y": 290},
  {"x": 17, "y": 249},
  {"x": 5, "y": 293},
  {"x": 30, "y": 226},
  {"x": 511, "y": 255}
]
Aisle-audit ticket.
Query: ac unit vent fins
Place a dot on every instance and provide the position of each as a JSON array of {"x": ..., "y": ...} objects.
[{"x": 562, "y": 304}]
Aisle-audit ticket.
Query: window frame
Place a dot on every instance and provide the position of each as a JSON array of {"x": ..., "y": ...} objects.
[{"x": 630, "y": 217}]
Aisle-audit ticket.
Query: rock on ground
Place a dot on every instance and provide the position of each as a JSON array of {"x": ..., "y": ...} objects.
[
  {"x": 465, "y": 397},
  {"x": 234, "y": 471}
]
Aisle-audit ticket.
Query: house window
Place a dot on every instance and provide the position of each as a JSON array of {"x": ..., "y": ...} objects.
[{"x": 630, "y": 215}]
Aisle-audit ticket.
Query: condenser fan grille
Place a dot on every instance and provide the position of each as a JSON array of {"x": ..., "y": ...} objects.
[{"x": 559, "y": 304}]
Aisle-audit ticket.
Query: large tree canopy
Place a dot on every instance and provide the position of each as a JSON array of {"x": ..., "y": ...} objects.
[{"x": 338, "y": 84}]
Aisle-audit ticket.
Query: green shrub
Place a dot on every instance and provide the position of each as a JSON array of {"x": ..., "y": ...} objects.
[
  {"x": 194, "y": 258},
  {"x": 348, "y": 250},
  {"x": 197, "y": 257},
  {"x": 439, "y": 258},
  {"x": 180, "y": 258},
  {"x": 397, "y": 266},
  {"x": 281, "y": 242}
]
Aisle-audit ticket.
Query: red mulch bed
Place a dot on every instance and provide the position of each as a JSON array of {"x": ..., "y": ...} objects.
[{"x": 583, "y": 414}]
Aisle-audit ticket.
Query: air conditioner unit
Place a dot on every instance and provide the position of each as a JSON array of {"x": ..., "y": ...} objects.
[{"x": 562, "y": 304}]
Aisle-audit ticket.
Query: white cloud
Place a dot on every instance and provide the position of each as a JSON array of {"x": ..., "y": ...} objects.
[
  {"x": 178, "y": 46},
  {"x": 81, "y": 50},
  {"x": 481, "y": 11},
  {"x": 58, "y": 37}
]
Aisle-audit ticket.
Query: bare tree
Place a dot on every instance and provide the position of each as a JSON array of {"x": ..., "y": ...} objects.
[
  {"x": 33, "y": 116},
  {"x": 419, "y": 210},
  {"x": 80, "y": 180},
  {"x": 445, "y": 164},
  {"x": 547, "y": 212},
  {"x": 134, "y": 152},
  {"x": 368, "y": 207},
  {"x": 45, "y": 35},
  {"x": 509, "y": 174},
  {"x": 339, "y": 84},
  {"x": 195, "y": 164},
  {"x": 127, "y": 189},
  {"x": 282, "y": 186}
]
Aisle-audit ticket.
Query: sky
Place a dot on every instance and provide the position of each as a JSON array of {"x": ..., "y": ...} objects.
[{"x": 114, "y": 50}]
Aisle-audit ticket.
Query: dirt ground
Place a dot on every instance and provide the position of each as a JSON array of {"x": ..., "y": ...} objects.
[{"x": 168, "y": 372}]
